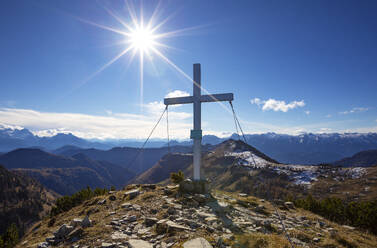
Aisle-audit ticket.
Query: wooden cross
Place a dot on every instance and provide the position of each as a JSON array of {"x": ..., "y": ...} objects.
[{"x": 197, "y": 99}]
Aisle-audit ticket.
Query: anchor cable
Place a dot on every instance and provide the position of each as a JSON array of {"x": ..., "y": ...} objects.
[
  {"x": 150, "y": 134},
  {"x": 243, "y": 135},
  {"x": 276, "y": 210},
  {"x": 167, "y": 127}
]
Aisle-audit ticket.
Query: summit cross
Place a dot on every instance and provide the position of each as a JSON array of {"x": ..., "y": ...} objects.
[{"x": 197, "y": 99}]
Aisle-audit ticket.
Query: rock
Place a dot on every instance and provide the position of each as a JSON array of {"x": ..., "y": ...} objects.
[
  {"x": 210, "y": 220},
  {"x": 101, "y": 202},
  {"x": 119, "y": 235},
  {"x": 107, "y": 245},
  {"x": 86, "y": 222},
  {"x": 131, "y": 194},
  {"x": 148, "y": 221},
  {"x": 189, "y": 186},
  {"x": 75, "y": 234},
  {"x": 138, "y": 243},
  {"x": 242, "y": 195},
  {"x": 204, "y": 215},
  {"x": 63, "y": 231},
  {"x": 349, "y": 227},
  {"x": 200, "y": 198},
  {"x": 316, "y": 240},
  {"x": 112, "y": 198},
  {"x": 197, "y": 243},
  {"x": 174, "y": 227},
  {"x": 76, "y": 222},
  {"x": 43, "y": 245},
  {"x": 131, "y": 218},
  {"x": 259, "y": 208},
  {"x": 168, "y": 226},
  {"x": 126, "y": 205},
  {"x": 289, "y": 205},
  {"x": 52, "y": 240},
  {"x": 148, "y": 186},
  {"x": 171, "y": 211},
  {"x": 161, "y": 227}
]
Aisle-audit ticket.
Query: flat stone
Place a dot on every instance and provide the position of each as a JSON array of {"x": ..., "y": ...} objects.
[
  {"x": 210, "y": 220},
  {"x": 132, "y": 193},
  {"x": 126, "y": 205},
  {"x": 348, "y": 227},
  {"x": 119, "y": 235},
  {"x": 197, "y": 243},
  {"x": 101, "y": 202},
  {"x": 138, "y": 243},
  {"x": 204, "y": 215},
  {"x": 107, "y": 245}
]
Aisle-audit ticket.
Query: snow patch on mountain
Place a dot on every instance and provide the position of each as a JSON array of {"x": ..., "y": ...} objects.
[{"x": 247, "y": 158}]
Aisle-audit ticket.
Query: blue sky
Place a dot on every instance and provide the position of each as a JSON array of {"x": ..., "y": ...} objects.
[{"x": 293, "y": 66}]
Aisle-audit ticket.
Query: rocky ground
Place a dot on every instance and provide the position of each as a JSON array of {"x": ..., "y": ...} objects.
[{"x": 161, "y": 216}]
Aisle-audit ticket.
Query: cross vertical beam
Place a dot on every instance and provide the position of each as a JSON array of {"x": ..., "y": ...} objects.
[
  {"x": 197, "y": 149},
  {"x": 197, "y": 98}
]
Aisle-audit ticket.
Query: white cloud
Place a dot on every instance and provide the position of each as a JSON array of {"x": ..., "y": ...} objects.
[
  {"x": 328, "y": 116},
  {"x": 276, "y": 105},
  {"x": 256, "y": 101},
  {"x": 115, "y": 126},
  {"x": 354, "y": 110},
  {"x": 325, "y": 130},
  {"x": 177, "y": 93},
  {"x": 307, "y": 112}
]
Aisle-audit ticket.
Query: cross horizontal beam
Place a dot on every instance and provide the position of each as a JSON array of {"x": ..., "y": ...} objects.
[{"x": 203, "y": 98}]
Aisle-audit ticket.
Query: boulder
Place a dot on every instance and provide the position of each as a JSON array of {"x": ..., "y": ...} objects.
[
  {"x": 76, "y": 222},
  {"x": 75, "y": 234},
  {"x": 289, "y": 205},
  {"x": 191, "y": 187},
  {"x": 131, "y": 194},
  {"x": 186, "y": 186},
  {"x": 86, "y": 222},
  {"x": 138, "y": 243},
  {"x": 112, "y": 198},
  {"x": 197, "y": 243},
  {"x": 63, "y": 231},
  {"x": 101, "y": 202}
]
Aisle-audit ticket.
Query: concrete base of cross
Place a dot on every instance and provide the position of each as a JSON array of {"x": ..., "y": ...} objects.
[{"x": 194, "y": 187}]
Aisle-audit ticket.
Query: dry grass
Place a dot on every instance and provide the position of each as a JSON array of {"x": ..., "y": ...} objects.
[{"x": 259, "y": 240}]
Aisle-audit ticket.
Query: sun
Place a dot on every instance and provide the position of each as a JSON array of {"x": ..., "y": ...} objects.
[{"x": 142, "y": 39}]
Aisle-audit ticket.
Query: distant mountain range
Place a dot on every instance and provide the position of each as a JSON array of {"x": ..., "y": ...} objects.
[
  {"x": 65, "y": 175},
  {"x": 296, "y": 149}
]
